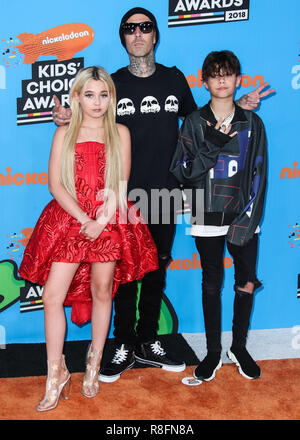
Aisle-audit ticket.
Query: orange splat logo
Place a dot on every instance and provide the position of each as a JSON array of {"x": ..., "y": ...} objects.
[
  {"x": 61, "y": 41},
  {"x": 27, "y": 232}
]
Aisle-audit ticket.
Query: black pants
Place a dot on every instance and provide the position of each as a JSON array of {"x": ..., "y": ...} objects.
[
  {"x": 211, "y": 251},
  {"x": 152, "y": 287}
]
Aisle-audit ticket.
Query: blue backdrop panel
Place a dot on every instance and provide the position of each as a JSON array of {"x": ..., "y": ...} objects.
[{"x": 267, "y": 45}]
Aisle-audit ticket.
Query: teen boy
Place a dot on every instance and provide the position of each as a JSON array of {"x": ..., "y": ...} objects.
[{"x": 222, "y": 150}]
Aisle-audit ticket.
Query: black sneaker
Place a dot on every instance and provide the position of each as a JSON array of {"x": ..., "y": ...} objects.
[
  {"x": 207, "y": 368},
  {"x": 123, "y": 360},
  {"x": 152, "y": 353},
  {"x": 246, "y": 365}
]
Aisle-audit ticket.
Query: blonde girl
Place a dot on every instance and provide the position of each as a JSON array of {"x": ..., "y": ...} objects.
[{"x": 79, "y": 229}]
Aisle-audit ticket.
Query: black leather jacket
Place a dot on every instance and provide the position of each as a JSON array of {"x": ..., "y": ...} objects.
[{"x": 232, "y": 171}]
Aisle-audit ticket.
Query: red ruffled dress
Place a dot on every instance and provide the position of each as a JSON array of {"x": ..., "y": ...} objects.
[{"x": 56, "y": 237}]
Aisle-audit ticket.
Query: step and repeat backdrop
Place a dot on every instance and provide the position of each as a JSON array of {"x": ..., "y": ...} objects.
[{"x": 42, "y": 46}]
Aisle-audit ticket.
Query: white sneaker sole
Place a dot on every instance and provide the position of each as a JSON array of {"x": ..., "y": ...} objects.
[
  {"x": 172, "y": 368},
  {"x": 214, "y": 372},
  {"x": 108, "y": 379},
  {"x": 111, "y": 379},
  {"x": 236, "y": 362}
]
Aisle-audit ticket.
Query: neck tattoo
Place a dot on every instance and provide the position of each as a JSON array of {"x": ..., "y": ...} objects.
[{"x": 142, "y": 66}]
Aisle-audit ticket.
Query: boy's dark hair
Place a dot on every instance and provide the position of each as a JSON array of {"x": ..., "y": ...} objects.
[{"x": 224, "y": 61}]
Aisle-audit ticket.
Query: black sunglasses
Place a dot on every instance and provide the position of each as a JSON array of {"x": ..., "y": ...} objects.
[{"x": 145, "y": 27}]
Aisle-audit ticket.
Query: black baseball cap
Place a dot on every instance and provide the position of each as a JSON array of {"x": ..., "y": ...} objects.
[{"x": 138, "y": 11}]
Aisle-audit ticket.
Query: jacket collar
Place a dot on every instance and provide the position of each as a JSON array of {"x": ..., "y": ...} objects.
[{"x": 207, "y": 114}]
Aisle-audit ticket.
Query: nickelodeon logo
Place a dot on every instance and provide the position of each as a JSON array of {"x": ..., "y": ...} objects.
[
  {"x": 194, "y": 263},
  {"x": 61, "y": 41},
  {"x": 246, "y": 80},
  {"x": 23, "y": 179},
  {"x": 290, "y": 173}
]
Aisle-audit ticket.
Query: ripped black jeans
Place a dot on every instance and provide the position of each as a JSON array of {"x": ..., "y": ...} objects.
[
  {"x": 152, "y": 287},
  {"x": 211, "y": 251}
]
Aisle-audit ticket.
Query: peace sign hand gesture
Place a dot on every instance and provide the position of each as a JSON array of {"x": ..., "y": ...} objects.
[{"x": 251, "y": 100}]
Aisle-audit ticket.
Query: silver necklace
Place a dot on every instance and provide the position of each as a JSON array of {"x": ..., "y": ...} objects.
[{"x": 228, "y": 118}]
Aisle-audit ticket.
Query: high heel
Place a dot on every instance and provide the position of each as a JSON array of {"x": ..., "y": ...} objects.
[
  {"x": 57, "y": 385},
  {"x": 90, "y": 386},
  {"x": 65, "y": 392}
]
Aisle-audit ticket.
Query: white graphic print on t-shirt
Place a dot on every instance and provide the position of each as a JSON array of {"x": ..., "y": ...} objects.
[
  {"x": 171, "y": 104},
  {"x": 125, "y": 107},
  {"x": 149, "y": 104}
]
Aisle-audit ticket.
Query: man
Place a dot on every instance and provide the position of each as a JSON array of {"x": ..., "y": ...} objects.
[
  {"x": 150, "y": 98},
  {"x": 144, "y": 90}
]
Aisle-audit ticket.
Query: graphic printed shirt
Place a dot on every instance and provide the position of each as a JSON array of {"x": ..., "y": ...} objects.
[{"x": 150, "y": 108}]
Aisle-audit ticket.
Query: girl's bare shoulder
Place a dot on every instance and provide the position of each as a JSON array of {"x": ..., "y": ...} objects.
[
  {"x": 60, "y": 132},
  {"x": 123, "y": 130}
]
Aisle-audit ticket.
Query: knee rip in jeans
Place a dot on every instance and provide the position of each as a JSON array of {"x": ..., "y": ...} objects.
[{"x": 247, "y": 287}]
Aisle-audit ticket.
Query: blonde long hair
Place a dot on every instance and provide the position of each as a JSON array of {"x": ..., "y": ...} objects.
[{"x": 113, "y": 169}]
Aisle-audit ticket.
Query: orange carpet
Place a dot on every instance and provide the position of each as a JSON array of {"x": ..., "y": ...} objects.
[{"x": 154, "y": 394}]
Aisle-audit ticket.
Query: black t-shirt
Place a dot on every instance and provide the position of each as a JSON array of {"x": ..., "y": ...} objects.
[{"x": 150, "y": 108}]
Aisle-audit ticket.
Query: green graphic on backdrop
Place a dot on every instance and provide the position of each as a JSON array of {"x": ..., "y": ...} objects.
[
  {"x": 10, "y": 284},
  {"x": 168, "y": 321}
]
